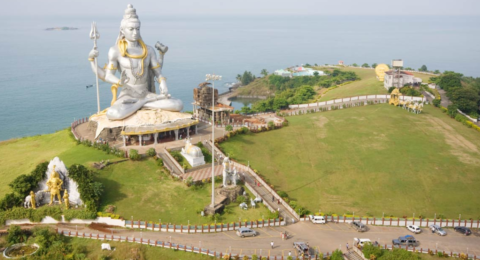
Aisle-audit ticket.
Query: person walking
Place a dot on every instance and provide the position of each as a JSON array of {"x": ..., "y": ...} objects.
[
  {"x": 348, "y": 247},
  {"x": 289, "y": 253},
  {"x": 273, "y": 199},
  {"x": 271, "y": 244}
]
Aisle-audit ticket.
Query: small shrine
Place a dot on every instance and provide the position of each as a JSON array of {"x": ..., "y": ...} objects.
[{"x": 193, "y": 154}]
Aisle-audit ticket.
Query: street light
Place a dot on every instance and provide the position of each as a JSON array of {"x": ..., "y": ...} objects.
[{"x": 213, "y": 78}]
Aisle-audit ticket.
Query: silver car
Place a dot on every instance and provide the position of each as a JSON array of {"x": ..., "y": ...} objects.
[
  {"x": 437, "y": 229},
  {"x": 246, "y": 232}
]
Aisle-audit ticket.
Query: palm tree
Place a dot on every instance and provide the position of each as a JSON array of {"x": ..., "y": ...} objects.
[
  {"x": 239, "y": 77},
  {"x": 264, "y": 72}
]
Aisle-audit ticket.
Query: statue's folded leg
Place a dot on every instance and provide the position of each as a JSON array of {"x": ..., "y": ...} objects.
[
  {"x": 121, "y": 110},
  {"x": 168, "y": 104}
]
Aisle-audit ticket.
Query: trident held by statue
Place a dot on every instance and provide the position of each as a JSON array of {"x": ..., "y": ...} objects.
[{"x": 94, "y": 35}]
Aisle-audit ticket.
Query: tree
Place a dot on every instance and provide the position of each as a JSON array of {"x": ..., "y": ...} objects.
[
  {"x": 355, "y": 65},
  {"x": 316, "y": 74},
  {"x": 229, "y": 128},
  {"x": 239, "y": 77},
  {"x": 279, "y": 103},
  {"x": 264, "y": 72},
  {"x": 466, "y": 99},
  {"x": 450, "y": 81},
  {"x": 374, "y": 65},
  {"x": 423, "y": 68},
  {"x": 408, "y": 68},
  {"x": 436, "y": 72},
  {"x": 247, "y": 77},
  {"x": 365, "y": 65}
]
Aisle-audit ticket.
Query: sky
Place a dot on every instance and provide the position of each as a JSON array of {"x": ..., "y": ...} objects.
[{"x": 241, "y": 7}]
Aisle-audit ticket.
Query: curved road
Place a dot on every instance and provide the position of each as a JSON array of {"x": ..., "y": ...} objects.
[{"x": 326, "y": 237}]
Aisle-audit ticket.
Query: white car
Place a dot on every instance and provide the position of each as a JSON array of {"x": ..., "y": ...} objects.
[
  {"x": 360, "y": 242},
  {"x": 414, "y": 229}
]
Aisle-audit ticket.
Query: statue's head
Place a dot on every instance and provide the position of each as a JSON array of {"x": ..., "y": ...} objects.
[
  {"x": 55, "y": 175},
  {"x": 130, "y": 25},
  {"x": 32, "y": 193}
]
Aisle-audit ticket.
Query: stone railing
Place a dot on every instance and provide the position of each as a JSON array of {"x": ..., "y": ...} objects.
[
  {"x": 77, "y": 123},
  {"x": 171, "y": 159},
  {"x": 265, "y": 185},
  {"x": 176, "y": 246},
  {"x": 356, "y": 99}
]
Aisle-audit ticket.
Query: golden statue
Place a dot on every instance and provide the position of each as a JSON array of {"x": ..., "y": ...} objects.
[
  {"x": 54, "y": 184},
  {"x": 380, "y": 71},
  {"x": 395, "y": 97},
  {"x": 65, "y": 199},
  {"x": 32, "y": 200}
]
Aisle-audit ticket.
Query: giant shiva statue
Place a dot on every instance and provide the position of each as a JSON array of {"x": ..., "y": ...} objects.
[{"x": 139, "y": 69}]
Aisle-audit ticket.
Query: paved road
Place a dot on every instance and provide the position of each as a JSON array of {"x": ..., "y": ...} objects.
[{"x": 326, "y": 237}]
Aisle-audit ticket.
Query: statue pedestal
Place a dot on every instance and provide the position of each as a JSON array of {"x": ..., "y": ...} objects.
[
  {"x": 194, "y": 161},
  {"x": 231, "y": 193},
  {"x": 218, "y": 208}
]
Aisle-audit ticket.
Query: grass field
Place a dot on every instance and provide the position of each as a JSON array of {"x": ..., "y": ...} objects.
[
  {"x": 368, "y": 85},
  {"x": 139, "y": 189},
  {"x": 370, "y": 160},
  {"x": 123, "y": 250}
]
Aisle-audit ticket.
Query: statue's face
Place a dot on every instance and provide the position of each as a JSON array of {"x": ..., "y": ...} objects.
[{"x": 132, "y": 31}]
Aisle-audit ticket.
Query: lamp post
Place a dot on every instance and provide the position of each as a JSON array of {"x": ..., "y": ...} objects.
[{"x": 213, "y": 78}]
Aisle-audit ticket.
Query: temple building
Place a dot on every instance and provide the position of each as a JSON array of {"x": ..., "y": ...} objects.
[
  {"x": 202, "y": 105},
  {"x": 401, "y": 79}
]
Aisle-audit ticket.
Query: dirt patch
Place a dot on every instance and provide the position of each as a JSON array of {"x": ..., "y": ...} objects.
[
  {"x": 461, "y": 147},
  {"x": 320, "y": 123}
]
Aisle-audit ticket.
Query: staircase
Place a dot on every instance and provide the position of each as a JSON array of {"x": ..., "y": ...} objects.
[{"x": 352, "y": 255}]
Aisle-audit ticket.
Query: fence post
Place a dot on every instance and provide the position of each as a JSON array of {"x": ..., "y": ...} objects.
[{"x": 174, "y": 228}]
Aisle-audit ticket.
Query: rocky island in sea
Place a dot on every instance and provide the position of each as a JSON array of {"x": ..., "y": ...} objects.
[{"x": 61, "y": 28}]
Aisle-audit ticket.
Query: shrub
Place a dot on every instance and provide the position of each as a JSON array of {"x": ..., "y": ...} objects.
[
  {"x": 151, "y": 152},
  {"x": 282, "y": 194},
  {"x": 11, "y": 200},
  {"x": 134, "y": 155},
  {"x": 271, "y": 125},
  {"x": 390, "y": 89},
  {"x": 23, "y": 184},
  {"x": 337, "y": 255},
  {"x": 16, "y": 235},
  {"x": 369, "y": 250},
  {"x": 254, "y": 257},
  {"x": 160, "y": 162},
  {"x": 436, "y": 102},
  {"x": 452, "y": 111},
  {"x": 90, "y": 191}
]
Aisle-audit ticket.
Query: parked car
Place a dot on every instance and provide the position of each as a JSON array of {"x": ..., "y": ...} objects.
[
  {"x": 302, "y": 248},
  {"x": 437, "y": 229},
  {"x": 246, "y": 232},
  {"x": 317, "y": 219},
  {"x": 360, "y": 242},
  {"x": 407, "y": 240},
  {"x": 358, "y": 226},
  {"x": 464, "y": 230},
  {"x": 414, "y": 229}
]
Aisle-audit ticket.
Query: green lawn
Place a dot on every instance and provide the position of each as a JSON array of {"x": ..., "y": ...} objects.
[
  {"x": 368, "y": 85},
  {"x": 124, "y": 250},
  {"x": 370, "y": 160},
  {"x": 139, "y": 189}
]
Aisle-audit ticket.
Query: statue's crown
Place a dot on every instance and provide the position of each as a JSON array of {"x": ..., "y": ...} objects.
[{"x": 130, "y": 12}]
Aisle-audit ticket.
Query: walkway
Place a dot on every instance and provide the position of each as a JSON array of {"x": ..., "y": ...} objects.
[
  {"x": 260, "y": 191},
  {"x": 445, "y": 101},
  {"x": 204, "y": 173}
]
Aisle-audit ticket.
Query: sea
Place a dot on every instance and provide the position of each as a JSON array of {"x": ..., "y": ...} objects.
[{"x": 44, "y": 74}]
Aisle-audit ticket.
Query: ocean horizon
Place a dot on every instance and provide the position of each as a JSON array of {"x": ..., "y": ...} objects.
[{"x": 45, "y": 73}]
